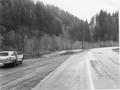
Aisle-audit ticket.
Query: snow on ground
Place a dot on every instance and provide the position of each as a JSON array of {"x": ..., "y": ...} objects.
[
  {"x": 62, "y": 52},
  {"x": 97, "y": 68},
  {"x": 105, "y": 68}
]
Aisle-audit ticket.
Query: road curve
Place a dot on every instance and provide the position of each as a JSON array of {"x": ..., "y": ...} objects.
[{"x": 97, "y": 68}]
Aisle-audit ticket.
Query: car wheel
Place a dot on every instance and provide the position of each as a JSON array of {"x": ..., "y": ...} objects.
[
  {"x": 21, "y": 61},
  {"x": 15, "y": 63}
]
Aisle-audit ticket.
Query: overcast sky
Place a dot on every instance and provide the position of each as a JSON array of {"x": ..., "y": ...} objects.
[{"x": 85, "y": 9}]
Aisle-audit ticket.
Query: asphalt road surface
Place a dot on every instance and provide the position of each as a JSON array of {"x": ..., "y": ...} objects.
[
  {"x": 27, "y": 75},
  {"x": 94, "y": 69}
]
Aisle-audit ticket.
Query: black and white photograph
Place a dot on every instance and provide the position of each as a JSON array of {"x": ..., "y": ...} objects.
[{"x": 59, "y": 45}]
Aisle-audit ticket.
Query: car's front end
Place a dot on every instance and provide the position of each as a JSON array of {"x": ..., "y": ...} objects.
[{"x": 20, "y": 57}]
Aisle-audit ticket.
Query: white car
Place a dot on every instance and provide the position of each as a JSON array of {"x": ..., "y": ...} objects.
[{"x": 10, "y": 57}]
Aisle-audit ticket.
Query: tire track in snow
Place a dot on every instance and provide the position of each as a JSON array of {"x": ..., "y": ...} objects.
[{"x": 88, "y": 68}]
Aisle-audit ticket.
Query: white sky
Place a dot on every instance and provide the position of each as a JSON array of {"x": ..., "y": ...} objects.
[{"x": 85, "y": 9}]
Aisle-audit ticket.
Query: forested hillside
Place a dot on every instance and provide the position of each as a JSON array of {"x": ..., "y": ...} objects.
[{"x": 33, "y": 28}]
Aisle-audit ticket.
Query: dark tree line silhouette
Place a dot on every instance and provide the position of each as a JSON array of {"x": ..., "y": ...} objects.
[{"x": 24, "y": 24}]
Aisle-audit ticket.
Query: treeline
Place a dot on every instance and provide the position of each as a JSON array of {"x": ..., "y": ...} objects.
[
  {"x": 106, "y": 26},
  {"x": 32, "y": 28}
]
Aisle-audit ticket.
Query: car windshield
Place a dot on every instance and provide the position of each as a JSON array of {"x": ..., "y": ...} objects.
[
  {"x": 3, "y": 54},
  {"x": 19, "y": 53}
]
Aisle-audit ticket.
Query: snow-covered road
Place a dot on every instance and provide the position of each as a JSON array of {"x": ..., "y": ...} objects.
[{"x": 97, "y": 68}]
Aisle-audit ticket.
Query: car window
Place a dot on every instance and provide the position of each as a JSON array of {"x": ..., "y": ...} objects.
[
  {"x": 3, "y": 54},
  {"x": 19, "y": 53}
]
